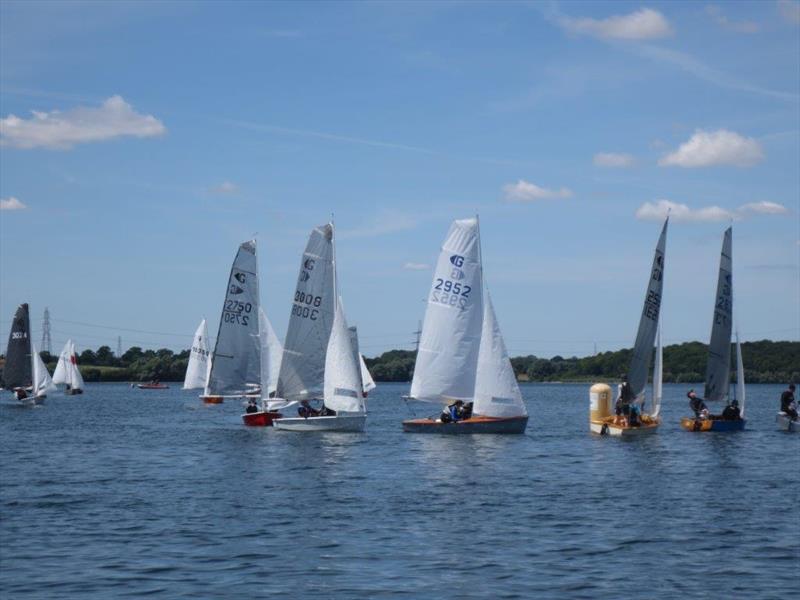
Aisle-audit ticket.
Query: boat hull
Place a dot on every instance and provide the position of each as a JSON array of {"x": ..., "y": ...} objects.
[
  {"x": 468, "y": 426},
  {"x": 692, "y": 424},
  {"x": 73, "y": 392},
  {"x": 347, "y": 423},
  {"x": 261, "y": 418},
  {"x": 212, "y": 399},
  {"x": 145, "y": 386},
  {"x": 608, "y": 427},
  {"x": 785, "y": 423}
]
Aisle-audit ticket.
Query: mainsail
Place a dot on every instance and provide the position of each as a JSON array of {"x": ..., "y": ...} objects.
[
  {"x": 497, "y": 392},
  {"x": 199, "y": 360},
  {"x": 60, "y": 374},
  {"x": 448, "y": 349},
  {"x": 302, "y": 373},
  {"x": 718, "y": 368},
  {"x": 42, "y": 382},
  {"x": 17, "y": 371},
  {"x": 343, "y": 391},
  {"x": 648, "y": 323},
  {"x": 74, "y": 377},
  {"x": 236, "y": 361}
]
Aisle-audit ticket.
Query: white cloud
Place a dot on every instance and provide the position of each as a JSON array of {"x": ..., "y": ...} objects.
[
  {"x": 523, "y": 191},
  {"x": 11, "y": 203},
  {"x": 643, "y": 24},
  {"x": 80, "y": 125},
  {"x": 721, "y": 147},
  {"x": 226, "y": 187},
  {"x": 412, "y": 266},
  {"x": 764, "y": 208},
  {"x": 610, "y": 159},
  {"x": 715, "y": 12},
  {"x": 658, "y": 211},
  {"x": 790, "y": 11}
]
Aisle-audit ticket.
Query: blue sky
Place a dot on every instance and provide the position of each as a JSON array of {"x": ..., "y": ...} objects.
[{"x": 166, "y": 133}]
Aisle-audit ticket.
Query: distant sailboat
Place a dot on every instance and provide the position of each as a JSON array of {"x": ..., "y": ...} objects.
[
  {"x": 199, "y": 360},
  {"x": 318, "y": 356},
  {"x": 601, "y": 418},
  {"x": 718, "y": 367},
  {"x": 67, "y": 370},
  {"x": 42, "y": 382},
  {"x": 18, "y": 368},
  {"x": 236, "y": 361},
  {"x": 462, "y": 355},
  {"x": 367, "y": 383}
]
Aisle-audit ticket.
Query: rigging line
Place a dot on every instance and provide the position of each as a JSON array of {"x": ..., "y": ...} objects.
[{"x": 122, "y": 328}]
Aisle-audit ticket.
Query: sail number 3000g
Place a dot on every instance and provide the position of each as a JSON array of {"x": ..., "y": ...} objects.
[{"x": 306, "y": 306}]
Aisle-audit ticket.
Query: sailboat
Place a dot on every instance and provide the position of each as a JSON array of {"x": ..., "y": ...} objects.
[
  {"x": 42, "y": 382},
  {"x": 718, "y": 367},
  {"x": 601, "y": 418},
  {"x": 24, "y": 369},
  {"x": 67, "y": 371},
  {"x": 199, "y": 360},
  {"x": 318, "y": 356},
  {"x": 236, "y": 361},
  {"x": 462, "y": 354},
  {"x": 271, "y": 352}
]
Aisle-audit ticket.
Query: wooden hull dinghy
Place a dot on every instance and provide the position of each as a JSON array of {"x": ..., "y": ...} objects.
[
  {"x": 692, "y": 424},
  {"x": 476, "y": 424},
  {"x": 609, "y": 427},
  {"x": 786, "y": 423},
  {"x": 212, "y": 399},
  {"x": 262, "y": 418},
  {"x": 353, "y": 423}
]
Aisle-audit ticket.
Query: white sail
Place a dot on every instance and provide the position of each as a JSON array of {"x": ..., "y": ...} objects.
[
  {"x": 74, "y": 377},
  {"x": 448, "y": 350},
  {"x": 367, "y": 382},
  {"x": 740, "y": 391},
  {"x": 658, "y": 375},
  {"x": 718, "y": 368},
  {"x": 497, "y": 392},
  {"x": 648, "y": 323},
  {"x": 236, "y": 361},
  {"x": 343, "y": 391},
  {"x": 42, "y": 382},
  {"x": 302, "y": 372},
  {"x": 199, "y": 360},
  {"x": 271, "y": 353},
  {"x": 60, "y": 374}
]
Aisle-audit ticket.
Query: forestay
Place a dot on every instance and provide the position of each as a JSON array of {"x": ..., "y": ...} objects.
[
  {"x": 497, "y": 392},
  {"x": 718, "y": 368},
  {"x": 343, "y": 392},
  {"x": 271, "y": 352},
  {"x": 236, "y": 361},
  {"x": 17, "y": 371},
  {"x": 648, "y": 323},
  {"x": 449, "y": 346},
  {"x": 199, "y": 360},
  {"x": 302, "y": 372}
]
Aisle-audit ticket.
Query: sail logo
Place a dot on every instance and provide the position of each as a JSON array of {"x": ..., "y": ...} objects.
[
  {"x": 235, "y": 289},
  {"x": 304, "y": 276},
  {"x": 240, "y": 277},
  {"x": 309, "y": 264},
  {"x": 457, "y": 260},
  {"x": 457, "y": 274}
]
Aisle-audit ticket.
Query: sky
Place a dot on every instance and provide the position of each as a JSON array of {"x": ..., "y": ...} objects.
[{"x": 140, "y": 143}]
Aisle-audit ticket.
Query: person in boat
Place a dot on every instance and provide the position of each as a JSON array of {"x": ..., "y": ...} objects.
[
  {"x": 452, "y": 412},
  {"x": 305, "y": 410},
  {"x": 326, "y": 412},
  {"x": 20, "y": 393},
  {"x": 625, "y": 398},
  {"x": 634, "y": 415},
  {"x": 732, "y": 412},
  {"x": 465, "y": 412},
  {"x": 251, "y": 406},
  {"x": 697, "y": 405},
  {"x": 788, "y": 404}
]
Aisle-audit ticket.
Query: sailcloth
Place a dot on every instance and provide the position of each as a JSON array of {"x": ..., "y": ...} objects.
[
  {"x": 60, "y": 374},
  {"x": 271, "y": 353},
  {"x": 658, "y": 375},
  {"x": 367, "y": 382},
  {"x": 497, "y": 392},
  {"x": 17, "y": 371},
  {"x": 236, "y": 361},
  {"x": 343, "y": 392},
  {"x": 74, "y": 377},
  {"x": 718, "y": 368},
  {"x": 302, "y": 371},
  {"x": 353, "y": 332},
  {"x": 42, "y": 382},
  {"x": 648, "y": 323},
  {"x": 448, "y": 349},
  {"x": 199, "y": 360}
]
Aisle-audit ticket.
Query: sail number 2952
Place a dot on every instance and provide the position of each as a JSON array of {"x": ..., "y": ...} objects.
[{"x": 450, "y": 293}]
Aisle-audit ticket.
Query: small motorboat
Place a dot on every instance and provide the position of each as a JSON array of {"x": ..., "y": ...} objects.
[
  {"x": 786, "y": 423},
  {"x": 152, "y": 386}
]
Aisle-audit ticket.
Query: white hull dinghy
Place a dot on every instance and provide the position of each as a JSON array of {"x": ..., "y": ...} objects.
[
  {"x": 786, "y": 423},
  {"x": 340, "y": 422}
]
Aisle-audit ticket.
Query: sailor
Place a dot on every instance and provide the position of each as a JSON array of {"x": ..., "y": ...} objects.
[
  {"x": 732, "y": 412},
  {"x": 625, "y": 396},
  {"x": 251, "y": 406},
  {"x": 788, "y": 404},
  {"x": 305, "y": 410},
  {"x": 697, "y": 405},
  {"x": 452, "y": 412},
  {"x": 465, "y": 412},
  {"x": 20, "y": 393}
]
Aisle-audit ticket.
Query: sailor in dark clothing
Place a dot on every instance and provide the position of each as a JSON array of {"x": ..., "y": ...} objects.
[
  {"x": 20, "y": 393},
  {"x": 697, "y": 405},
  {"x": 788, "y": 404},
  {"x": 466, "y": 411},
  {"x": 625, "y": 397},
  {"x": 305, "y": 410},
  {"x": 251, "y": 406},
  {"x": 732, "y": 412},
  {"x": 452, "y": 412}
]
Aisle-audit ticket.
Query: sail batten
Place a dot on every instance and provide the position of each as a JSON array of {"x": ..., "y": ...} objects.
[
  {"x": 718, "y": 367},
  {"x": 236, "y": 360}
]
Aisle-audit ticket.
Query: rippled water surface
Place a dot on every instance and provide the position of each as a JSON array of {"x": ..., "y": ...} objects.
[{"x": 124, "y": 492}]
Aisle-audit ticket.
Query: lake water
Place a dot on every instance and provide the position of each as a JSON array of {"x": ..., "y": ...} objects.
[{"x": 124, "y": 492}]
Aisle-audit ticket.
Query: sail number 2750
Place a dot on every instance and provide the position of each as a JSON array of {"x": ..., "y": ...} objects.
[
  {"x": 451, "y": 293},
  {"x": 237, "y": 312}
]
